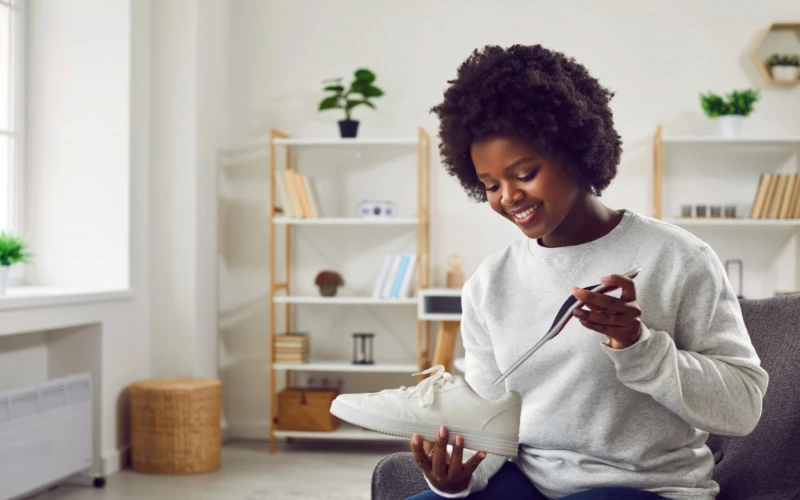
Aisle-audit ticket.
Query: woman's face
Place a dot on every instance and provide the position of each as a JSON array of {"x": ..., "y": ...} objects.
[{"x": 532, "y": 191}]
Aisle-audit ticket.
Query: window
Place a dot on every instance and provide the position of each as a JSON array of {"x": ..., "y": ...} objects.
[{"x": 10, "y": 59}]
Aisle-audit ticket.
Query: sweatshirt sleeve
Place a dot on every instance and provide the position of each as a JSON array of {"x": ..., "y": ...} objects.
[
  {"x": 481, "y": 371},
  {"x": 707, "y": 371}
]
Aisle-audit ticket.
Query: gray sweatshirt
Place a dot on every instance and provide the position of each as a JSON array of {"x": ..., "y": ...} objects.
[{"x": 593, "y": 416}]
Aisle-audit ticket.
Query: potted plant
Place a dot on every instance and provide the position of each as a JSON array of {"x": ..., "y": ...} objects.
[
  {"x": 358, "y": 93},
  {"x": 328, "y": 283},
  {"x": 784, "y": 66},
  {"x": 731, "y": 110},
  {"x": 12, "y": 250}
]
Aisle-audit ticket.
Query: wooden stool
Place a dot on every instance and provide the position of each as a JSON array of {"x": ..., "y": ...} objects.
[
  {"x": 446, "y": 338},
  {"x": 175, "y": 425}
]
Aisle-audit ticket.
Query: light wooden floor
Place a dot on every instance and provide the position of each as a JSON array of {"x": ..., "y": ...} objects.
[{"x": 300, "y": 471}]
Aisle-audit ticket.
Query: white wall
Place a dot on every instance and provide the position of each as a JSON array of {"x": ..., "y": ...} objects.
[
  {"x": 78, "y": 142},
  {"x": 656, "y": 57},
  {"x": 189, "y": 53},
  {"x": 88, "y": 198}
]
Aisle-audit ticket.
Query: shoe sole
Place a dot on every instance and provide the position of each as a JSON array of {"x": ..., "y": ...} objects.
[{"x": 474, "y": 440}]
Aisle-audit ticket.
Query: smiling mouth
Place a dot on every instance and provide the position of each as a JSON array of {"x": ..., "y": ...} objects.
[{"x": 526, "y": 215}]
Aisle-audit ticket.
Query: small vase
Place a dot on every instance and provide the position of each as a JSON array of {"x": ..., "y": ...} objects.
[
  {"x": 328, "y": 290},
  {"x": 784, "y": 73},
  {"x": 4, "y": 278},
  {"x": 731, "y": 126},
  {"x": 348, "y": 128}
]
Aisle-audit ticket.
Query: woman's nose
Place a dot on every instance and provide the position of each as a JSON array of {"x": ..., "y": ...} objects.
[{"x": 510, "y": 195}]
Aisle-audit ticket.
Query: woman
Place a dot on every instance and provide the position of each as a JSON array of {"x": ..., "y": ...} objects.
[{"x": 620, "y": 403}]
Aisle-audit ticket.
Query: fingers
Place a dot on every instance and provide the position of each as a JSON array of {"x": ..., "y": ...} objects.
[
  {"x": 454, "y": 470},
  {"x": 418, "y": 451},
  {"x": 623, "y": 282},
  {"x": 440, "y": 454},
  {"x": 473, "y": 463},
  {"x": 599, "y": 299},
  {"x": 608, "y": 318},
  {"x": 624, "y": 334}
]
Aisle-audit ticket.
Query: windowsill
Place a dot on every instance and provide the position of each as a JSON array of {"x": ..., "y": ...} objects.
[{"x": 29, "y": 297}]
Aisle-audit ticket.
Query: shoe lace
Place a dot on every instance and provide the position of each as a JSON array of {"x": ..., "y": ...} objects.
[{"x": 424, "y": 390}]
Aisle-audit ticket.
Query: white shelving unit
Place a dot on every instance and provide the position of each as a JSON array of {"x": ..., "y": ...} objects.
[
  {"x": 345, "y": 367},
  {"x": 346, "y": 221},
  {"x": 364, "y": 301},
  {"x": 790, "y": 141},
  {"x": 344, "y": 432},
  {"x": 300, "y": 304},
  {"x": 735, "y": 223},
  {"x": 729, "y": 236}
]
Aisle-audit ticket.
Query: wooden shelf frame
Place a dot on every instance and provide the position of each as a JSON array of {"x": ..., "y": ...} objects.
[
  {"x": 281, "y": 139},
  {"x": 761, "y": 64}
]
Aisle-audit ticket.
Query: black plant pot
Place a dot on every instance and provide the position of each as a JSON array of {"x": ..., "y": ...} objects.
[{"x": 348, "y": 128}]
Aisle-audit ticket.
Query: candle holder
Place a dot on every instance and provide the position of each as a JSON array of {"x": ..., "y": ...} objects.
[{"x": 362, "y": 348}]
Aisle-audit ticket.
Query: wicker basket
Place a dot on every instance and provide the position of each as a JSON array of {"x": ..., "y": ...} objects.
[{"x": 175, "y": 425}]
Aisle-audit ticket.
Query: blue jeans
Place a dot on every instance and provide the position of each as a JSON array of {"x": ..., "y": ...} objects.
[{"x": 511, "y": 484}]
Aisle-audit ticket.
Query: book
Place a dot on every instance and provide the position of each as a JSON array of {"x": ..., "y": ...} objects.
[
  {"x": 382, "y": 276},
  {"x": 294, "y": 196},
  {"x": 761, "y": 196},
  {"x": 409, "y": 278},
  {"x": 283, "y": 195},
  {"x": 773, "y": 185},
  {"x": 777, "y": 197},
  {"x": 398, "y": 277},
  {"x": 301, "y": 193},
  {"x": 313, "y": 197},
  {"x": 795, "y": 197},
  {"x": 386, "y": 291},
  {"x": 788, "y": 197}
]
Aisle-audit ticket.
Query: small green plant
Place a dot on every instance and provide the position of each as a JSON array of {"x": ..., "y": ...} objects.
[
  {"x": 360, "y": 91},
  {"x": 12, "y": 249},
  {"x": 784, "y": 60},
  {"x": 737, "y": 102}
]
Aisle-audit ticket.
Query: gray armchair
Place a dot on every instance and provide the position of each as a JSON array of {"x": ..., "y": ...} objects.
[{"x": 762, "y": 466}]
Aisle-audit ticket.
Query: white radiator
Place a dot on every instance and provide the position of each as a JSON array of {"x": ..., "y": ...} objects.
[{"x": 45, "y": 434}]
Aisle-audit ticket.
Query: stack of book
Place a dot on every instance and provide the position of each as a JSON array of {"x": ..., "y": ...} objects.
[
  {"x": 291, "y": 348},
  {"x": 397, "y": 277},
  {"x": 777, "y": 197},
  {"x": 297, "y": 194}
]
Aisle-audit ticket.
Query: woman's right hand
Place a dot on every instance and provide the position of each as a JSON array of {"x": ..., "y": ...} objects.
[{"x": 446, "y": 473}]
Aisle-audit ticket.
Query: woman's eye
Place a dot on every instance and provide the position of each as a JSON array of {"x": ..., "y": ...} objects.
[
  {"x": 528, "y": 177},
  {"x": 493, "y": 188}
]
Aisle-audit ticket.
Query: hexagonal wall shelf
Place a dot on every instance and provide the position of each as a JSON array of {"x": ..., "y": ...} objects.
[{"x": 780, "y": 38}]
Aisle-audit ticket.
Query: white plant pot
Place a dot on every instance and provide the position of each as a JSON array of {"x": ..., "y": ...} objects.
[
  {"x": 4, "y": 278},
  {"x": 785, "y": 72},
  {"x": 731, "y": 126}
]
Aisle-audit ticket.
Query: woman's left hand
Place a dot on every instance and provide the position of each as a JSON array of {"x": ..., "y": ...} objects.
[{"x": 617, "y": 318}]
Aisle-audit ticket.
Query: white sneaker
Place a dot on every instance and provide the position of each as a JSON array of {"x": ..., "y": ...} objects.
[{"x": 441, "y": 399}]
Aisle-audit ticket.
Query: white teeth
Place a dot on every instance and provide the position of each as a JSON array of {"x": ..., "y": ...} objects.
[{"x": 522, "y": 215}]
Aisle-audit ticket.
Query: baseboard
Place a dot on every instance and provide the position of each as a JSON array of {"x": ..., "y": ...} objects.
[
  {"x": 257, "y": 431},
  {"x": 116, "y": 461}
]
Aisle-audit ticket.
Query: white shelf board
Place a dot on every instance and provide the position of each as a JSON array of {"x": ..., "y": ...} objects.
[
  {"x": 344, "y": 366},
  {"x": 786, "y": 141},
  {"x": 742, "y": 222},
  {"x": 346, "y": 221},
  {"x": 338, "y": 141},
  {"x": 345, "y": 431},
  {"x": 318, "y": 299}
]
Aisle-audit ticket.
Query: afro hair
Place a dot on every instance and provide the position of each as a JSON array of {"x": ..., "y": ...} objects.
[{"x": 536, "y": 95}]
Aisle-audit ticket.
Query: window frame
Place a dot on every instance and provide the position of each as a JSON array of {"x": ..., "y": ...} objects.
[{"x": 16, "y": 175}]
